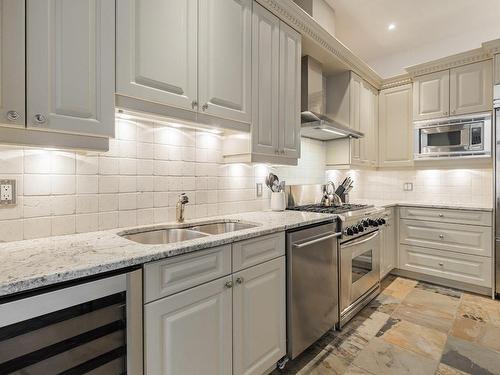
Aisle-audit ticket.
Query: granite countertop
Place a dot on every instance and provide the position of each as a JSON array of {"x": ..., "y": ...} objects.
[
  {"x": 31, "y": 264},
  {"x": 404, "y": 203}
]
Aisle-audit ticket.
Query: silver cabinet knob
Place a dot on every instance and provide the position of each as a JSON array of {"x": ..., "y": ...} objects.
[
  {"x": 240, "y": 280},
  {"x": 441, "y": 215},
  {"x": 13, "y": 115},
  {"x": 441, "y": 264},
  {"x": 204, "y": 107},
  {"x": 441, "y": 236},
  {"x": 194, "y": 104},
  {"x": 228, "y": 284},
  {"x": 40, "y": 119}
]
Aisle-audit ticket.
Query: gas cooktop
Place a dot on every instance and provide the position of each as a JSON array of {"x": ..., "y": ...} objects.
[{"x": 346, "y": 207}]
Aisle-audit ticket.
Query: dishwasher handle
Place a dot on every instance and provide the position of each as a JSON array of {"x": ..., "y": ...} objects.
[{"x": 321, "y": 239}]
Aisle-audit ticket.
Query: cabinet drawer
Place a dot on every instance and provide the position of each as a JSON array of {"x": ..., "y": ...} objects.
[
  {"x": 453, "y": 266},
  {"x": 467, "y": 239},
  {"x": 447, "y": 216},
  {"x": 173, "y": 275},
  {"x": 257, "y": 250}
]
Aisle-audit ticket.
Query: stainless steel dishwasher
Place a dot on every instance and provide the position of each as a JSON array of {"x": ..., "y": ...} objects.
[{"x": 312, "y": 285}]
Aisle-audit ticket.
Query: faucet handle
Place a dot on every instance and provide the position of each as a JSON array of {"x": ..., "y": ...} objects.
[{"x": 183, "y": 198}]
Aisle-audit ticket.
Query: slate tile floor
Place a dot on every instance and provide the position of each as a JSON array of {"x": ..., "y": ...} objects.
[{"x": 411, "y": 328}]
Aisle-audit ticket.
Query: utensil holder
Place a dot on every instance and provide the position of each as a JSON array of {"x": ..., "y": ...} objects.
[{"x": 278, "y": 202}]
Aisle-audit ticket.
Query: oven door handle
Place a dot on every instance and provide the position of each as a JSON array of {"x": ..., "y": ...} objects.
[
  {"x": 354, "y": 243},
  {"x": 312, "y": 242}
]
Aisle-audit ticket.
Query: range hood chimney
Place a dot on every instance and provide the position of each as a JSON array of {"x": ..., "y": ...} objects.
[{"x": 315, "y": 124}]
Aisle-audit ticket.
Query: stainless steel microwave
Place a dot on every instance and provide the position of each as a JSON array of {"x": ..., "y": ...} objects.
[{"x": 468, "y": 136}]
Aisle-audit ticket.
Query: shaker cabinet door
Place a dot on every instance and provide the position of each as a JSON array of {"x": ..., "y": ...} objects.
[
  {"x": 471, "y": 88},
  {"x": 431, "y": 96},
  {"x": 265, "y": 81},
  {"x": 12, "y": 62},
  {"x": 225, "y": 50},
  {"x": 71, "y": 66},
  {"x": 190, "y": 332},
  {"x": 156, "y": 51},
  {"x": 289, "y": 93},
  {"x": 259, "y": 332}
]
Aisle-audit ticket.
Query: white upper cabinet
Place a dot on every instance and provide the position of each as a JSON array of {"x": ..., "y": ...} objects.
[
  {"x": 462, "y": 90},
  {"x": 395, "y": 127},
  {"x": 71, "y": 66},
  {"x": 289, "y": 93},
  {"x": 471, "y": 88},
  {"x": 156, "y": 51},
  {"x": 12, "y": 62},
  {"x": 496, "y": 74},
  {"x": 265, "y": 82},
  {"x": 431, "y": 98},
  {"x": 225, "y": 49}
]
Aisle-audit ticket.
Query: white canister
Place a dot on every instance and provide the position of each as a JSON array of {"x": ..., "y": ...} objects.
[{"x": 278, "y": 202}]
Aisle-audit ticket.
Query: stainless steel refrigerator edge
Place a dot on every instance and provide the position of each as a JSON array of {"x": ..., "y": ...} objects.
[{"x": 496, "y": 109}]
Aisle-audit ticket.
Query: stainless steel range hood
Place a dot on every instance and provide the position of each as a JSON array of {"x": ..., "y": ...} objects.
[{"x": 315, "y": 124}]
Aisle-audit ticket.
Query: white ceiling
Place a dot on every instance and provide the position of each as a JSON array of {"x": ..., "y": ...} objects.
[{"x": 425, "y": 29}]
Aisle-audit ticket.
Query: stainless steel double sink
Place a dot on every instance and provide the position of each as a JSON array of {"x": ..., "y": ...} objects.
[{"x": 156, "y": 236}]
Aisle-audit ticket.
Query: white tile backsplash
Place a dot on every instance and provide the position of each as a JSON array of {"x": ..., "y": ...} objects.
[
  {"x": 472, "y": 186},
  {"x": 136, "y": 182}
]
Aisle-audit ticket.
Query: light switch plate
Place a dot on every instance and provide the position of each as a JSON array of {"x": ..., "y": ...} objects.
[
  {"x": 7, "y": 192},
  {"x": 259, "y": 189}
]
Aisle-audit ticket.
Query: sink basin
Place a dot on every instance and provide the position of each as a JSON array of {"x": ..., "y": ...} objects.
[
  {"x": 164, "y": 236},
  {"x": 221, "y": 227}
]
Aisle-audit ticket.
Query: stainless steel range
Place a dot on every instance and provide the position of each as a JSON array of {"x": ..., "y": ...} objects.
[{"x": 358, "y": 247}]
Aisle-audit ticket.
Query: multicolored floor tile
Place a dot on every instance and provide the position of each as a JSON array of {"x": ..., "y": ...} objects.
[{"x": 411, "y": 328}]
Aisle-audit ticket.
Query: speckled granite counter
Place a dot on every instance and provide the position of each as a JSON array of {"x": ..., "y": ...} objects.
[
  {"x": 30, "y": 264},
  {"x": 402, "y": 203}
]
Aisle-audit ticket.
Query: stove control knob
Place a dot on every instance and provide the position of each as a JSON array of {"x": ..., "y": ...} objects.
[
  {"x": 355, "y": 229},
  {"x": 349, "y": 231},
  {"x": 373, "y": 223},
  {"x": 381, "y": 221},
  {"x": 365, "y": 222},
  {"x": 361, "y": 228}
]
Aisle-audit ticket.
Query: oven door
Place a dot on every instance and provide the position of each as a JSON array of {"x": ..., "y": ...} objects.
[
  {"x": 359, "y": 268},
  {"x": 444, "y": 139}
]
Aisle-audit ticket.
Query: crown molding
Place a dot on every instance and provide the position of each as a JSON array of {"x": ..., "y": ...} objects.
[
  {"x": 485, "y": 52},
  {"x": 296, "y": 17},
  {"x": 399, "y": 80}
]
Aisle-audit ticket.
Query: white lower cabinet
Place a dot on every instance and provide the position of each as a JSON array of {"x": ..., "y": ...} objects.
[
  {"x": 388, "y": 252},
  {"x": 234, "y": 324},
  {"x": 190, "y": 332},
  {"x": 259, "y": 329}
]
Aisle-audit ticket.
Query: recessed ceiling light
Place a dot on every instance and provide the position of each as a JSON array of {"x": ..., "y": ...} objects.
[{"x": 391, "y": 26}]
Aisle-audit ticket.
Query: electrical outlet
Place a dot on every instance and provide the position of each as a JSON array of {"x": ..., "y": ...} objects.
[
  {"x": 7, "y": 192},
  {"x": 408, "y": 186}
]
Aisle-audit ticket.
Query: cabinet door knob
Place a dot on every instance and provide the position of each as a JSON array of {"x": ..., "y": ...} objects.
[
  {"x": 441, "y": 236},
  {"x": 13, "y": 115},
  {"x": 228, "y": 284},
  {"x": 445, "y": 113},
  {"x": 441, "y": 215},
  {"x": 204, "y": 107},
  {"x": 453, "y": 112},
  {"x": 194, "y": 104},
  {"x": 40, "y": 119},
  {"x": 441, "y": 264},
  {"x": 240, "y": 280}
]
